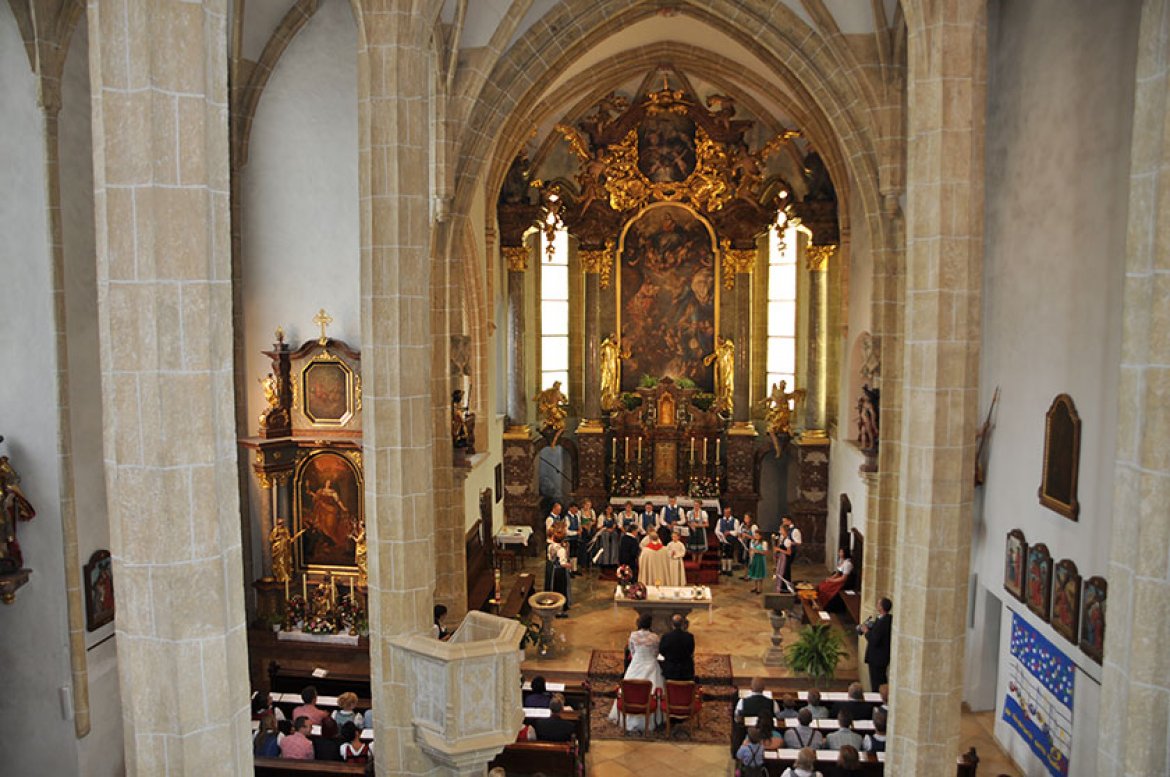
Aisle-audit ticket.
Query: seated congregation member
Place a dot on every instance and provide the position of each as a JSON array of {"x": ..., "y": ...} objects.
[
  {"x": 757, "y": 704},
  {"x": 327, "y": 746},
  {"x": 554, "y": 728},
  {"x": 643, "y": 646},
  {"x": 856, "y": 705},
  {"x": 629, "y": 549},
  {"x": 267, "y": 741},
  {"x": 876, "y": 742},
  {"x": 262, "y": 703},
  {"x": 805, "y": 766},
  {"x": 845, "y": 735},
  {"x": 297, "y": 745},
  {"x": 787, "y": 707},
  {"x": 848, "y": 762},
  {"x": 347, "y": 712},
  {"x": 751, "y": 753},
  {"x": 814, "y": 705},
  {"x": 677, "y": 648},
  {"x": 310, "y": 709},
  {"x": 439, "y": 630},
  {"x": 353, "y": 749},
  {"x": 803, "y": 734},
  {"x": 538, "y": 697},
  {"x": 832, "y": 585}
]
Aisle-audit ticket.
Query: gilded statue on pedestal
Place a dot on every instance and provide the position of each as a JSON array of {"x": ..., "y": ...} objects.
[
  {"x": 553, "y": 405},
  {"x": 779, "y": 412},
  {"x": 462, "y": 423},
  {"x": 724, "y": 359},
  {"x": 14, "y": 507},
  {"x": 358, "y": 535},
  {"x": 281, "y": 542},
  {"x": 273, "y": 415},
  {"x": 611, "y": 372}
]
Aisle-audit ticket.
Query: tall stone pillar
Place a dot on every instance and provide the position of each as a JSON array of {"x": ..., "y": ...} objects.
[
  {"x": 393, "y": 155},
  {"x": 516, "y": 258},
  {"x": 817, "y": 258},
  {"x": 940, "y": 368},
  {"x": 1135, "y": 685},
  {"x": 597, "y": 265},
  {"x": 160, "y": 140}
]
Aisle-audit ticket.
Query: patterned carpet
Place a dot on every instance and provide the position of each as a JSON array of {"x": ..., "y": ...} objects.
[{"x": 713, "y": 673}]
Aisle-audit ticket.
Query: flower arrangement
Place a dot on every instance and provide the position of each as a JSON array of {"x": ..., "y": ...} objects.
[
  {"x": 625, "y": 575},
  {"x": 628, "y": 483},
  {"x": 320, "y": 625},
  {"x": 350, "y": 615},
  {"x": 635, "y": 592},
  {"x": 703, "y": 486},
  {"x": 294, "y": 611}
]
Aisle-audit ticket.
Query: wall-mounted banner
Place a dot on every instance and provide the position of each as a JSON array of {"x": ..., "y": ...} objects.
[{"x": 1039, "y": 701}]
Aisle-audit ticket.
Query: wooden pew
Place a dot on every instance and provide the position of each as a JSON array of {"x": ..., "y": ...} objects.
[
  {"x": 579, "y": 696},
  {"x": 516, "y": 599},
  {"x": 287, "y": 767},
  {"x": 555, "y": 759},
  {"x": 776, "y": 761},
  {"x": 292, "y": 677}
]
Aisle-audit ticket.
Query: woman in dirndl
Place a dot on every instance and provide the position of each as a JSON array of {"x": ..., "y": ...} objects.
[
  {"x": 757, "y": 566},
  {"x": 557, "y": 569}
]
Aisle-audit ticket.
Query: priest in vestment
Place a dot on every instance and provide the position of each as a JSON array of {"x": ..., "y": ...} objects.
[{"x": 655, "y": 566}]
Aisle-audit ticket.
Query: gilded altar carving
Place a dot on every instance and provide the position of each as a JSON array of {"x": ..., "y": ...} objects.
[
  {"x": 816, "y": 258},
  {"x": 516, "y": 257},
  {"x": 735, "y": 261},
  {"x": 599, "y": 261}
]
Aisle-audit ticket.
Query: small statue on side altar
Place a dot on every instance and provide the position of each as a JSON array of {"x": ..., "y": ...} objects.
[
  {"x": 611, "y": 372},
  {"x": 281, "y": 542},
  {"x": 14, "y": 507},
  {"x": 321, "y": 605},
  {"x": 552, "y": 405},
  {"x": 358, "y": 535},
  {"x": 724, "y": 359},
  {"x": 462, "y": 423},
  {"x": 867, "y": 418},
  {"x": 778, "y": 408},
  {"x": 274, "y": 414}
]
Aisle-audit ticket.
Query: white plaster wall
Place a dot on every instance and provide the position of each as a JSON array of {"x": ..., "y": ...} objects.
[
  {"x": 34, "y": 648},
  {"x": 845, "y": 457},
  {"x": 299, "y": 193},
  {"x": 1060, "y": 110}
]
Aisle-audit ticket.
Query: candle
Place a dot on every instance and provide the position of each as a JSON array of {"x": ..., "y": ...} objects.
[
  {"x": 613, "y": 452},
  {"x": 639, "y": 450},
  {"x": 497, "y": 580},
  {"x": 626, "y": 456},
  {"x": 692, "y": 450},
  {"x": 305, "y": 586},
  {"x": 332, "y": 590},
  {"x": 704, "y": 450},
  {"x": 717, "y": 441},
  {"x": 286, "y": 590}
]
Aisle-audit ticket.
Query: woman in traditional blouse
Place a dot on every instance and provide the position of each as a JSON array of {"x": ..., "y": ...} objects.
[{"x": 829, "y": 587}]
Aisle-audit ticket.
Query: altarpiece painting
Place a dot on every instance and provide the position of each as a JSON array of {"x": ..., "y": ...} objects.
[
  {"x": 668, "y": 295},
  {"x": 328, "y": 506}
]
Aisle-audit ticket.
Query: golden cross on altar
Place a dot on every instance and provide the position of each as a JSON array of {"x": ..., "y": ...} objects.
[{"x": 322, "y": 319}]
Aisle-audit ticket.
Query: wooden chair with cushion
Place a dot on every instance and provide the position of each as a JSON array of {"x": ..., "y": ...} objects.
[
  {"x": 682, "y": 699},
  {"x": 637, "y": 697}
]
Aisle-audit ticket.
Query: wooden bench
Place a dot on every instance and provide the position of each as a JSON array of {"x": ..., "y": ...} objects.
[
  {"x": 776, "y": 761},
  {"x": 579, "y": 696},
  {"x": 287, "y": 767},
  {"x": 516, "y": 600},
  {"x": 293, "y": 677},
  {"x": 555, "y": 759}
]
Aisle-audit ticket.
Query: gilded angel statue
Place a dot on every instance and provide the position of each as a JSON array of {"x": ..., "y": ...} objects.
[
  {"x": 611, "y": 372},
  {"x": 778, "y": 408},
  {"x": 724, "y": 359},
  {"x": 552, "y": 404}
]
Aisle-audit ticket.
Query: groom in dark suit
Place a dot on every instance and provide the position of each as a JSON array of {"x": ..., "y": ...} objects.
[{"x": 678, "y": 651}]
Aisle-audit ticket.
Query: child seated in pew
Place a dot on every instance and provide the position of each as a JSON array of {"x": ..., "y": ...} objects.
[
  {"x": 751, "y": 753},
  {"x": 327, "y": 746},
  {"x": 876, "y": 742},
  {"x": 267, "y": 741},
  {"x": 787, "y": 707},
  {"x": 814, "y": 705},
  {"x": 353, "y": 749},
  {"x": 347, "y": 712},
  {"x": 844, "y": 736},
  {"x": 805, "y": 765},
  {"x": 848, "y": 762},
  {"x": 803, "y": 734},
  {"x": 262, "y": 703}
]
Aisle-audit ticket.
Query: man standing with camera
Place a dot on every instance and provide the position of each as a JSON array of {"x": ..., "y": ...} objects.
[{"x": 877, "y": 648}]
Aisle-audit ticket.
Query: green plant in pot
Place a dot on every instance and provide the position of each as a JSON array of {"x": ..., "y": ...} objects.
[
  {"x": 648, "y": 381},
  {"x": 816, "y": 653},
  {"x": 630, "y": 400}
]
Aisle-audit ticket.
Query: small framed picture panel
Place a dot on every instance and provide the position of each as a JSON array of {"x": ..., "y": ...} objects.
[
  {"x": 1062, "y": 452},
  {"x": 1038, "y": 580},
  {"x": 1015, "y": 562},
  {"x": 1093, "y": 595},
  {"x": 98, "y": 576},
  {"x": 1066, "y": 600}
]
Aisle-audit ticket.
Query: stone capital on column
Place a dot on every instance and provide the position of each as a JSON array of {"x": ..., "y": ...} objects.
[
  {"x": 598, "y": 261},
  {"x": 817, "y": 258},
  {"x": 736, "y": 261},
  {"x": 516, "y": 257}
]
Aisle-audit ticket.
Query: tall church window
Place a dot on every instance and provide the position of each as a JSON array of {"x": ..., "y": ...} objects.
[
  {"x": 554, "y": 312},
  {"x": 781, "y": 352}
]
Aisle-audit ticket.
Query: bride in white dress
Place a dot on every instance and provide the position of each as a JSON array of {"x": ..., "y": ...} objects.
[{"x": 643, "y": 666}]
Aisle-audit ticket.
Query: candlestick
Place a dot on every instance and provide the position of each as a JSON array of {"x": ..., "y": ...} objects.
[
  {"x": 704, "y": 451},
  {"x": 497, "y": 579},
  {"x": 692, "y": 450},
  {"x": 639, "y": 450},
  {"x": 286, "y": 590},
  {"x": 626, "y": 456},
  {"x": 613, "y": 451},
  {"x": 717, "y": 441}
]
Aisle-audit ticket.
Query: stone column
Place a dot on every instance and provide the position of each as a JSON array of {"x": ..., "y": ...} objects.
[
  {"x": 160, "y": 140},
  {"x": 817, "y": 258},
  {"x": 940, "y": 368},
  {"x": 1135, "y": 684},
  {"x": 516, "y": 258},
  {"x": 393, "y": 157}
]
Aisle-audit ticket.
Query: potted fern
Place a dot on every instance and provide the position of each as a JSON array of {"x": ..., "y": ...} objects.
[{"x": 816, "y": 653}]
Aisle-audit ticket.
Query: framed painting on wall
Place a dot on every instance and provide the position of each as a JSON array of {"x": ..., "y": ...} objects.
[
  {"x": 328, "y": 388},
  {"x": 1062, "y": 452},
  {"x": 99, "y": 590},
  {"x": 1038, "y": 580},
  {"x": 1093, "y": 595},
  {"x": 1066, "y": 600},
  {"x": 1015, "y": 559},
  {"x": 327, "y": 502}
]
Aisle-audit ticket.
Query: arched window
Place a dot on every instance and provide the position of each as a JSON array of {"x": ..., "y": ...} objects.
[
  {"x": 781, "y": 350},
  {"x": 554, "y": 312}
]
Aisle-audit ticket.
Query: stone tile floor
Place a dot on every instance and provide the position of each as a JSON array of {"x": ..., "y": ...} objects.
[{"x": 740, "y": 628}]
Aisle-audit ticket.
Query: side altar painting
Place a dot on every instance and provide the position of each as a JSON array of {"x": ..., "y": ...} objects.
[
  {"x": 328, "y": 509},
  {"x": 1039, "y": 700},
  {"x": 668, "y": 296}
]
